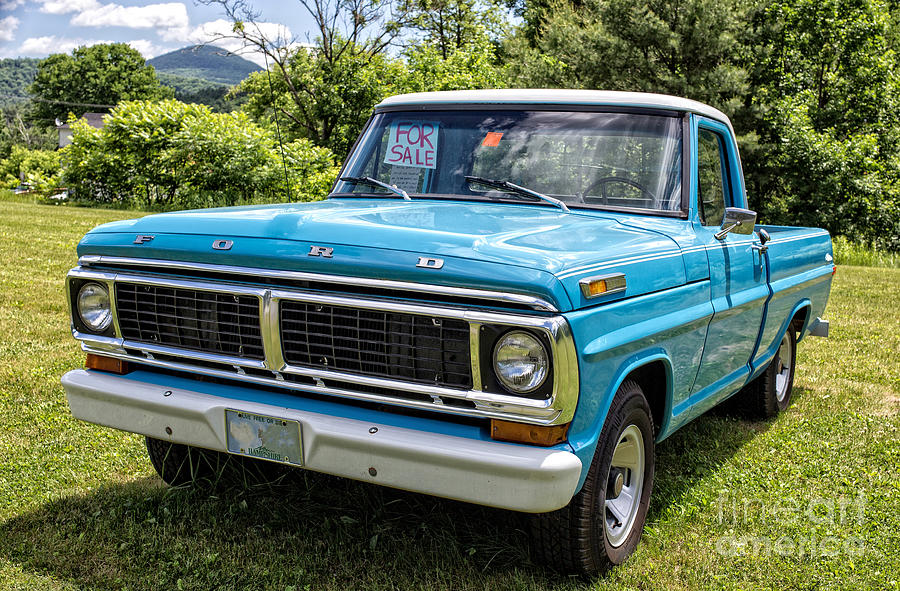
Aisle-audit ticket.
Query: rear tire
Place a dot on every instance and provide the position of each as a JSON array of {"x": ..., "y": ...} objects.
[
  {"x": 602, "y": 524},
  {"x": 770, "y": 393}
]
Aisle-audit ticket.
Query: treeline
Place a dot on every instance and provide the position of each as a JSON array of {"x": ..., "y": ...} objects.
[{"x": 812, "y": 87}]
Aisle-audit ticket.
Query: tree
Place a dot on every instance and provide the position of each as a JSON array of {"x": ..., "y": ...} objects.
[
  {"x": 470, "y": 66},
  {"x": 93, "y": 78},
  {"x": 322, "y": 91},
  {"x": 689, "y": 48},
  {"x": 17, "y": 129},
  {"x": 451, "y": 25},
  {"x": 825, "y": 110},
  {"x": 326, "y": 100}
]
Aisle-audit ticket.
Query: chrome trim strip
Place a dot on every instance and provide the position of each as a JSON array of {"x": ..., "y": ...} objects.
[
  {"x": 558, "y": 408},
  {"x": 271, "y": 333},
  {"x": 409, "y": 308},
  {"x": 474, "y": 354},
  {"x": 226, "y": 288},
  {"x": 462, "y": 292},
  {"x": 150, "y": 350}
]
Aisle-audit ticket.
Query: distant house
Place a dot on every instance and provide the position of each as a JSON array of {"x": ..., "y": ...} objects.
[{"x": 65, "y": 132}]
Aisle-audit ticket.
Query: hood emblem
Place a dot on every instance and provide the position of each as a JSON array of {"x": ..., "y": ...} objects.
[
  {"x": 222, "y": 244},
  {"x": 142, "y": 238},
  {"x": 320, "y": 251},
  {"x": 427, "y": 263}
]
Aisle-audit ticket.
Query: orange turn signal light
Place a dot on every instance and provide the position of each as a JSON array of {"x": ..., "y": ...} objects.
[
  {"x": 530, "y": 434},
  {"x": 103, "y": 363},
  {"x": 592, "y": 287}
]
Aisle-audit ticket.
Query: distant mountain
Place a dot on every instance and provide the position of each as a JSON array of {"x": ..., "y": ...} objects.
[
  {"x": 204, "y": 92},
  {"x": 15, "y": 77},
  {"x": 206, "y": 62}
]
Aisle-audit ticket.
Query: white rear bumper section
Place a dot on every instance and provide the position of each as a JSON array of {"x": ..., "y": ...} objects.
[{"x": 508, "y": 476}]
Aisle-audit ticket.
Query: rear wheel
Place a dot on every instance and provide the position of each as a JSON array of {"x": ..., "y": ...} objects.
[
  {"x": 603, "y": 523},
  {"x": 770, "y": 393}
]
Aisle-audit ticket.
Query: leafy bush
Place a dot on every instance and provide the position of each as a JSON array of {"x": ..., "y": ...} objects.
[
  {"x": 38, "y": 169},
  {"x": 170, "y": 155}
]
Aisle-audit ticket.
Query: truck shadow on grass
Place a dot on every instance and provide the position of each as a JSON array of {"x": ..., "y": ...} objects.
[{"x": 314, "y": 531}]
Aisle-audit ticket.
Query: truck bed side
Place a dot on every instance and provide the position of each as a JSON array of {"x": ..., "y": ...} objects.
[{"x": 800, "y": 267}]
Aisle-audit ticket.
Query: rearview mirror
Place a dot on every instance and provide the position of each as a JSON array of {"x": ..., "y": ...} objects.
[{"x": 738, "y": 221}]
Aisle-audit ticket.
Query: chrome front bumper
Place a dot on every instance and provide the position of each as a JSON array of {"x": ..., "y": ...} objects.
[{"x": 508, "y": 476}]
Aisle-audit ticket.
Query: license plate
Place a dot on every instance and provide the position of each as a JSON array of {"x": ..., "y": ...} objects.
[{"x": 263, "y": 437}]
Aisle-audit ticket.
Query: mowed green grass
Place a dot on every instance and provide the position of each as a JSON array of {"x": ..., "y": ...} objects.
[{"x": 809, "y": 500}]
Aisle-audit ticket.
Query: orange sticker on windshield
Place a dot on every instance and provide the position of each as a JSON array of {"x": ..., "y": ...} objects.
[{"x": 492, "y": 139}]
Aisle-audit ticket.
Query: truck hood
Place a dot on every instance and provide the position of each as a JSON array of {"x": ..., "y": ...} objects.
[{"x": 519, "y": 247}]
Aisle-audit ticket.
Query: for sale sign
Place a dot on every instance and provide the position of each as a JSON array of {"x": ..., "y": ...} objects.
[{"x": 412, "y": 143}]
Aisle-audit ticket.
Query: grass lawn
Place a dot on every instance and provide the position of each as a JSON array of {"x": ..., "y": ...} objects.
[{"x": 810, "y": 500}]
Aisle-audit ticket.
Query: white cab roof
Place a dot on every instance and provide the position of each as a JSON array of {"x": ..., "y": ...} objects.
[{"x": 556, "y": 97}]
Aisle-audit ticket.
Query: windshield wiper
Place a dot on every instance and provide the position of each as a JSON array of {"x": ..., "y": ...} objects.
[
  {"x": 366, "y": 180},
  {"x": 513, "y": 188}
]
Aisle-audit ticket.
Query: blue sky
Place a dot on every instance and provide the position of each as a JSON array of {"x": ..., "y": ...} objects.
[{"x": 37, "y": 28}]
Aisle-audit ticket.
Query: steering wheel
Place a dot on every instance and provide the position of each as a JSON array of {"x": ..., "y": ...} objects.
[{"x": 602, "y": 182}]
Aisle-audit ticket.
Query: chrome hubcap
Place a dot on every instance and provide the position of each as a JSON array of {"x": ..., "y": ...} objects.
[
  {"x": 625, "y": 483},
  {"x": 783, "y": 374}
]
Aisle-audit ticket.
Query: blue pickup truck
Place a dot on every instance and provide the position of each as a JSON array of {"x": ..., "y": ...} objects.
[{"x": 509, "y": 298}]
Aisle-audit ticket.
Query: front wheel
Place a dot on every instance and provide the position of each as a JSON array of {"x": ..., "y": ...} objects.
[
  {"x": 603, "y": 523},
  {"x": 179, "y": 464}
]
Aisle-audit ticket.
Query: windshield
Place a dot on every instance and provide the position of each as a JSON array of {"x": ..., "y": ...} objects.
[{"x": 615, "y": 160}]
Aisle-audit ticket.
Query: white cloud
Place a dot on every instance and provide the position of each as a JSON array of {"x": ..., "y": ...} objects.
[
  {"x": 219, "y": 33},
  {"x": 171, "y": 15},
  {"x": 8, "y": 28},
  {"x": 148, "y": 49},
  {"x": 10, "y": 5},
  {"x": 42, "y": 46},
  {"x": 67, "y": 6}
]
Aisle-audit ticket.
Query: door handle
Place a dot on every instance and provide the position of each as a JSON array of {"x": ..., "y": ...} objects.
[{"x": 763, "y": 238}]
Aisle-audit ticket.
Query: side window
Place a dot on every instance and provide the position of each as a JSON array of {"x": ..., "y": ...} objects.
[{"x": 712, "y": 183}]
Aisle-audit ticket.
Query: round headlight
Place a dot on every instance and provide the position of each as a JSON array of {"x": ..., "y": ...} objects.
[
  {"x": 93, "y": 306},
  {"x": 520, "y": 362}
]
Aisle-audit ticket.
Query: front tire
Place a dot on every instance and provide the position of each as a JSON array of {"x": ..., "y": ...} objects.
[
  {"x": 179, "y": 464},
  {"x": 602, "y": 525}
]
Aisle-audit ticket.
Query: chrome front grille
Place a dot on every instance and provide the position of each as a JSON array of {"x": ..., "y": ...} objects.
[
  {"x": 429, "y": 350},
  {"x": 418, "y": 355},
  {"x": 205, "y": 321}
]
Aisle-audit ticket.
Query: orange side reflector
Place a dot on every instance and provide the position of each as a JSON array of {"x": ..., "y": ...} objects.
[
  {"x": 110, "y": 364},
  {"x": 531, "y": 434}
]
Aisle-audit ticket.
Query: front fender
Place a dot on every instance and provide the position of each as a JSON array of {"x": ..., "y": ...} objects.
[{"x": 585, "y": 442}]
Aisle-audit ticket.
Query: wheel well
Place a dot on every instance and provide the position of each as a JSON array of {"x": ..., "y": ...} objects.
[
  {"x": 799, "y": 320},
  {"x": 653, "y": 379}
]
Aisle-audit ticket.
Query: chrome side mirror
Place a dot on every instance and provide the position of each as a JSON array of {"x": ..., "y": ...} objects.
[{"x": 738, "y": 221}]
